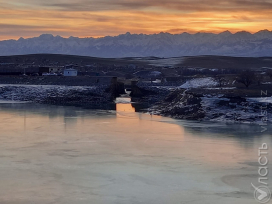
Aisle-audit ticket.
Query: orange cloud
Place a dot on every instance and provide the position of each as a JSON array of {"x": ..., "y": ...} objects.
[{"x": 95, "y": 18}]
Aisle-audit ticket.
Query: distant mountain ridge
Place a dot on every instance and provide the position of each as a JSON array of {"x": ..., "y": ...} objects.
[{"x": 141, "y": 45}]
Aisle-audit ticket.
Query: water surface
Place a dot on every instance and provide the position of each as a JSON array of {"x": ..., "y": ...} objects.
[{"x": 67, "y": 155}]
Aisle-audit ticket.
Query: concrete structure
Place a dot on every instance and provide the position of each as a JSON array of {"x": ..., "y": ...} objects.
[{"x": 70, "y": 72}]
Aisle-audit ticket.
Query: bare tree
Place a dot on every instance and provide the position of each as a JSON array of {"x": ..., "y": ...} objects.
[{"x": 246, "y": 77}]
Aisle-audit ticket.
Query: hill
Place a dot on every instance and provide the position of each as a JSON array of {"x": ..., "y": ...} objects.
[{"x": 210, "y": 62}]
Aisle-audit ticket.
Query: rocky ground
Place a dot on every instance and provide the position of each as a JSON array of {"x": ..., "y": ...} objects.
[
  {"x": 202, "y": 99},
  {"x": 183, "y": 104},
  {"x": 89, "y": 97},
  {"x": 180, "y": 105}
]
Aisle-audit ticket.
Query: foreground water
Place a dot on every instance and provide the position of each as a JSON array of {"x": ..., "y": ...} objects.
[{"x": 67, "y": 155}]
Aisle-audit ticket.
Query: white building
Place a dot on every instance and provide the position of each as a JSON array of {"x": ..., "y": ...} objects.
[{"x": 70, "y": 72}]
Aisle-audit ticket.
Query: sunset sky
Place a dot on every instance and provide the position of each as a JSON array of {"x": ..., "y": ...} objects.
[{"x": 97, "y": 18}]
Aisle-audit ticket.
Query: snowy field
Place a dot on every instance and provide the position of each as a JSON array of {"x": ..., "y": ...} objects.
[
  {"x": 38, "y": 92},
  {"x": 261, "y": 99},
  {"x": 199, "y": 82},
  {"x": 47, "y": 86}
]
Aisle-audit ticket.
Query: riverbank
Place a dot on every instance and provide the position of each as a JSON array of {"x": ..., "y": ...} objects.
[
  {"x": 183, "y": 104},
  {"x": 81, "y": 96},
  {"x": 56, "y": 80},
  {"x": 179, "y": 103}
]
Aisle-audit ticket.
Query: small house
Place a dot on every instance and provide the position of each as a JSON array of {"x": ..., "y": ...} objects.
[{"x": 70, "y": 72}]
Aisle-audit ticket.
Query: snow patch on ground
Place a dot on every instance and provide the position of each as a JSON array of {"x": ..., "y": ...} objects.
[
  {"x": 261, "y": 99},
  {"x": 225, "y": 88},
  {"x": 11, "y": 101},
  {"x": 123, "y": 100},
  {"x": 40, "y": 92},
  {"x": 47, "y": 87},
  {"x": 199, "y": 82},
  {"x": 248, "y": 111}
]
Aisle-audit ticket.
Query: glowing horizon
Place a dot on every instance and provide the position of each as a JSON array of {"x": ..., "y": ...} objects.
[{"x": 99, "y": 18}]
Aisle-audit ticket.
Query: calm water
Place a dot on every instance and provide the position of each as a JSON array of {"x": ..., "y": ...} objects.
[{"x": 67, "y": 155}]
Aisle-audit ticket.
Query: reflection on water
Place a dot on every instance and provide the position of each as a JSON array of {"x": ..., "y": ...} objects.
[
  {"x": 123, "y": 104},
  {"x": 43, "y": 119},
  {"x": 67, "y": 154},
  {"x": 124, "y": 107}
]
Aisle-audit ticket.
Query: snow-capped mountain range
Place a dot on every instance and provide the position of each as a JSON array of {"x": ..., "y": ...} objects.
[{"x": 140, "y": 45}]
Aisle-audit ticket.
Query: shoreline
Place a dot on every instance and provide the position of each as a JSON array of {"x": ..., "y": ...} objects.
[{"x": 176, "y": 104}]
